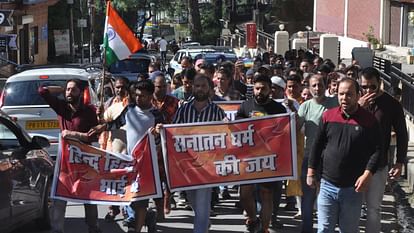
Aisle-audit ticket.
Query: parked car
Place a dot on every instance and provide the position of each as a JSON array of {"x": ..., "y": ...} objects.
[
  {"x": 26, "y": 171},
  {"x": 136, "y": 64},
  {"x": 20, "y": 98},
  {"x": 218, "y": 57}
]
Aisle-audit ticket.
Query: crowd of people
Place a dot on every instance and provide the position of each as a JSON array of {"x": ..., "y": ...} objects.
[{"x": 345, "y": 123}]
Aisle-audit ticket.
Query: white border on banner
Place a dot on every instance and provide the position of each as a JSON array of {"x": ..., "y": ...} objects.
[
  {"x": 292, "y": 119},
  {"x": 155, "y": 166}
]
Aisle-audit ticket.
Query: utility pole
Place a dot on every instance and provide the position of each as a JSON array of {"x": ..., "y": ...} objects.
[
  {"x": 81, "y": 30},
  {"x": 71, "y": 33},
  {"x": 91, "y": 7}
]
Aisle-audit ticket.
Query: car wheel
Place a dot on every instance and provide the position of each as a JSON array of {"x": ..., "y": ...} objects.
[{"x": 44, "y": 221}]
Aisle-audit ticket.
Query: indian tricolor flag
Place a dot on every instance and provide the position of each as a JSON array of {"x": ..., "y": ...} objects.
[{"x": 119, "y": 41}]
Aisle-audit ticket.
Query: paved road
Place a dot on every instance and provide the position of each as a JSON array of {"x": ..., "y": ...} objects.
[{"x": 230, "y": 219}]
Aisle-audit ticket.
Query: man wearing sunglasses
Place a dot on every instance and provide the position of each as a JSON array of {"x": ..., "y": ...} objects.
[{"x": 390, "y": 115}]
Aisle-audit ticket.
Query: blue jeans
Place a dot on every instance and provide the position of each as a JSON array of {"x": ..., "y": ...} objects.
[
  {"x": 308, "y": 200},
  {"x": 200, "y": 200},
  {"x": 130, "y": 214},
  {"x": 338, "y": 205}
]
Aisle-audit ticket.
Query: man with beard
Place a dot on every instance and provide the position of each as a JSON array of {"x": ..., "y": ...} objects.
[
  {"x": 137, "y": 118},
  {"x": 310, "y": 113},
  {"x": 260, "y": 105},
  {"x": 390, "y": 115},
  {"x": 75, "y": 120},
  {"x": 200, "y": 109},
  {"x": 167, "y": 105}
]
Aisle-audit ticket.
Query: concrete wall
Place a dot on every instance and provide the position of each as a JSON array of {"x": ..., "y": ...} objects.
[
  {"x": 347, "y": 44},
  {"x": 330, "y": 16},
  {"x": 361, "y": 15}
]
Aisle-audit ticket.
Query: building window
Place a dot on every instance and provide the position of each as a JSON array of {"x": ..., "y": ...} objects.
[{"x": 34, "y": 40}]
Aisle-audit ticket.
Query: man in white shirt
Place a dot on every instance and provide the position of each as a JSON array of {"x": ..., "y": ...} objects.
[{"x": 163, "y": 49}]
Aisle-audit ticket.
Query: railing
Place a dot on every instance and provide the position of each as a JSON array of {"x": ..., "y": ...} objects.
[{"x": 392, "y": 76}]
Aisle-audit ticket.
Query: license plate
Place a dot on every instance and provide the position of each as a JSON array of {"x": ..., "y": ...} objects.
[{"x": 40, "y": 125}]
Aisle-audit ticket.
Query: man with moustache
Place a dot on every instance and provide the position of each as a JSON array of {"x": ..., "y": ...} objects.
[
  {"x": 260, "y": 105},
  {"x": 310, "y": 114},
  {"x": 200, "y": 109},
  {"x": 75, "y": 120},
  {"x": 348, "y": 148},
  {"x": 390, "y": 116}
]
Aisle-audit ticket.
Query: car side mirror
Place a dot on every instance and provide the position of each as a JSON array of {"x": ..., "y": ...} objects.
[{"x": 39, "y": 142}]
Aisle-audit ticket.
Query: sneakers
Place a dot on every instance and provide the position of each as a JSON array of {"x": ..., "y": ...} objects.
[{"x": 254, "y": 226}]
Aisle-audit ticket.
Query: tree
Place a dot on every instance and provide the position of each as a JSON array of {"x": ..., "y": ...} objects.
[{"x": 194, "y": 21}]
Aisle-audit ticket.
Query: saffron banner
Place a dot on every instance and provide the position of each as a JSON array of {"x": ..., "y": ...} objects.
[
  {"x": 253, "y": 150},
  {"x": 87, "y": 174}
]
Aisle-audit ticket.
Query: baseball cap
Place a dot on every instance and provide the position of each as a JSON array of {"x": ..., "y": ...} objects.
[{"x": 278, "y": 81}]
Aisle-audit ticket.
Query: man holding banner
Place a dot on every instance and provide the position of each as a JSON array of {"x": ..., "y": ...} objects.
[
  {"x": 75, "y": 119},
  {"x": 200, "y": 109},
  {"x": 137, "y": 119},
  {"x": 260, "y": 105}
]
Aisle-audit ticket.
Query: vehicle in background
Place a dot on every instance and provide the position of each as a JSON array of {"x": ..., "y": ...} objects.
[
  {"x": 188, "y": 52},
  {"x": 26, "y": 171},
  {"x": 136, "y": 64},
  {"x": 190, "y": 44},
  {"x": 20, "y": 98},
  {"x": 218, "y": 57}
]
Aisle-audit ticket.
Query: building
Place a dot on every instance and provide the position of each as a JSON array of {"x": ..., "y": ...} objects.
[
  {"x": 357, "y": 23},
  {"x": 24, "y": 31}
]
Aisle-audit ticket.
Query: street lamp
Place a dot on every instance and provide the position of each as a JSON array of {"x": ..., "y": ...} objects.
[
  {"x": 308, "y": 28},
  {"x": 281, "y": 27}
]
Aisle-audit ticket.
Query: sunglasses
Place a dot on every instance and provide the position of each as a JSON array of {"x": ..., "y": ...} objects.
[{"x": 371, "y": 87}]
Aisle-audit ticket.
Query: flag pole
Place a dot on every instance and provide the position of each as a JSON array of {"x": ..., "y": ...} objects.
[{"x": 101, "y": 91}]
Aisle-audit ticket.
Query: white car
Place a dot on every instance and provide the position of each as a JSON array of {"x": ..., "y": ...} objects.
[
  {"x": 191, "y": 52},
  {"x": 21, "y": 101}
]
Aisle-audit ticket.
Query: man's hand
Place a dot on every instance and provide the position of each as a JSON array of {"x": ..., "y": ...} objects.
[
  {"x": 97, "y": 129},
  {"x": 311, "y": 178},
  {"x": 363, "y": 181},
  {"x": 366, "y": 99},
  {"x": 157, "y": 129},
  {"x": 395, "y": 171}
]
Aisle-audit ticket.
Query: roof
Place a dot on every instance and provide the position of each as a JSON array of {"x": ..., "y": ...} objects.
[{"x": 80, "y": 73}]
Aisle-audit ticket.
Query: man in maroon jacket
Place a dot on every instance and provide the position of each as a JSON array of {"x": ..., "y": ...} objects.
[{"x": 75, "y": 120}]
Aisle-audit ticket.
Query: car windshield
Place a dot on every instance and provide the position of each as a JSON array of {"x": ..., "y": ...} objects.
[
  {"x": 130, "y": 66},
  {"x": 13, "y": 92}
]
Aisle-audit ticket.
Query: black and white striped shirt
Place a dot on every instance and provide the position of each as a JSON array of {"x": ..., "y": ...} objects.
[{"x": 187, "y": 113}]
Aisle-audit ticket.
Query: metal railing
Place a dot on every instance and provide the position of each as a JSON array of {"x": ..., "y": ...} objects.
[{"x": 392, "y": 76}]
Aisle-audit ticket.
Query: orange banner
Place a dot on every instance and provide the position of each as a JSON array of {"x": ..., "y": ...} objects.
[
  {"x": 245, "y": 151},
  {"x": 87, "y": 174}
]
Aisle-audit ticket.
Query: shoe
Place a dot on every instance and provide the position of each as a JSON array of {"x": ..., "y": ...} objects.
[
  {"x": 253, "y": 226},
  {"x": 290, "y": 207},
  {"x": 151, "y": 221},
  {"x": 364, "y": 212},
  {"x": 225, "y": 195}
]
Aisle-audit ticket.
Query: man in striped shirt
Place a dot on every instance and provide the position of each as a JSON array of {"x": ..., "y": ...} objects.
[{"x": 200, "y": 109}]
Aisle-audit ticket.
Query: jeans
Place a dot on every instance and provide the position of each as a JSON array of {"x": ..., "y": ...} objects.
[
  {"x": 373, "y": 197},
  {"x": 57, "y": 216},
  {"x": 338, "y": 205},
  {"x": 130, "y": 212},
  {"x": 308, "y": 200},
  {"x": 200, "y": 201},
  {"x": 277, "y": 195}
]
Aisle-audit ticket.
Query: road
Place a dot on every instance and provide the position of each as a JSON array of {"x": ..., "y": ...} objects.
[{"x": 229, "y": 219}]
